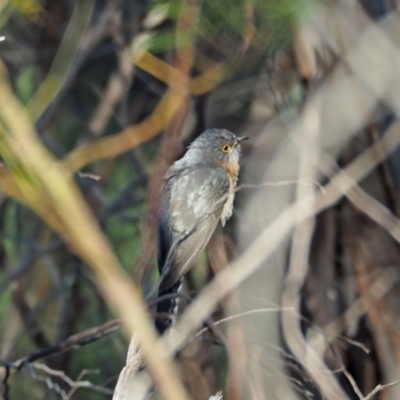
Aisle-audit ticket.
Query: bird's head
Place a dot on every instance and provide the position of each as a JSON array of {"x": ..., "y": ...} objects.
[{"x": 216, "y": 146}]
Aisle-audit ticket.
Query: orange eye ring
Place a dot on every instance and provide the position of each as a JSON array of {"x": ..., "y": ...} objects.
[{"x": 225, "y": 148}]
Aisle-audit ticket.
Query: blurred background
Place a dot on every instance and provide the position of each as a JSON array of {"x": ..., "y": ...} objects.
[{"x": 106, "y": 95}]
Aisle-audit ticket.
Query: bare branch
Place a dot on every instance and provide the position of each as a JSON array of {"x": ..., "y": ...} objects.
[
  {"x": 74, "y": 385},
  {"x": 379, "y": 388},
  {"x": 78, "y": 340}
]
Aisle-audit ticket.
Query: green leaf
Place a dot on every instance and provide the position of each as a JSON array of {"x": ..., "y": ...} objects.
[{"x": 25, "y": 85}]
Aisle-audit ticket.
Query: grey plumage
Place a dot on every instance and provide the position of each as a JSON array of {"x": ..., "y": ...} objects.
[{"x": 197, "y": 193}]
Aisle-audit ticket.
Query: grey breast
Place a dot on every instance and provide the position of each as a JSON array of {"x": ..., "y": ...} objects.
[{"x": 196, "y": 198}]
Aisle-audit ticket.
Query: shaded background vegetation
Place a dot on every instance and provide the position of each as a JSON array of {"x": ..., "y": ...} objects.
[{"x": 115, "y": 91}]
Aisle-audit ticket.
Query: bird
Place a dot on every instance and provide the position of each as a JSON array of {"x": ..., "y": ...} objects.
[{"x": 197, "y": 193}]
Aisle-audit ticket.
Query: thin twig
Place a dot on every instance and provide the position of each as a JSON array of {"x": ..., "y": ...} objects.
[
  {"x": 379, "y": 388},
  {"x": 74, "y": 385},
  {"x": 307, "y": 182},
  {"x": 353, "y": 383},
  {"x": 78, "y": 340},
  {"x": 243, "y": 314}
]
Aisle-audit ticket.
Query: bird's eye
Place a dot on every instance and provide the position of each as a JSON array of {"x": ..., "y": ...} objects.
[{"x": 225, "y": 148}]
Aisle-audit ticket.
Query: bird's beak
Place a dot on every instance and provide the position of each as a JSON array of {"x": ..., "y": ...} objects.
[{"x": 240, "y": 139}]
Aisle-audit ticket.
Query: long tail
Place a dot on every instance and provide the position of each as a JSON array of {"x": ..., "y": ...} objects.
[{"x": 168, "y": 309}]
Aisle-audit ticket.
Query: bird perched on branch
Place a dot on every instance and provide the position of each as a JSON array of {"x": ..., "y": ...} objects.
[{"x": 197, "y": 193}]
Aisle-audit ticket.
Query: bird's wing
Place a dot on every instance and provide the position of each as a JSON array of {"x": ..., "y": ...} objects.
[{"x": 195, "y": 201}]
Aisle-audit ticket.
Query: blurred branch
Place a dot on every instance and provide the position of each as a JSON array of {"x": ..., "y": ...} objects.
[
  {"x": 85, "y": 237},
  {"x": 166, "y": 109},
  {"x": 372, "y": 290},
  {"x": 309, "y": 145},
  {"x": 28, "y": 317},
  {"x": 166, "y": 73},
  {"x": 365, "y": 202},
  {"x": 128, "y": 138},
  {"x": 133, "y": 379},
  {"x": 8, "y": 183},
  {"x": 118, "y": 84},
  {"x": 234, "y": 342},
  {"x": 27, "y": 262},
  {"x": 10, "y": 186},
  {"x": 66, "y": 54},
  {"x": 358, "y": 308}
]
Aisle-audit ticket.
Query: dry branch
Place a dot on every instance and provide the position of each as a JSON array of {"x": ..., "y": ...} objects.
[{"x": 78, "y": 340}]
